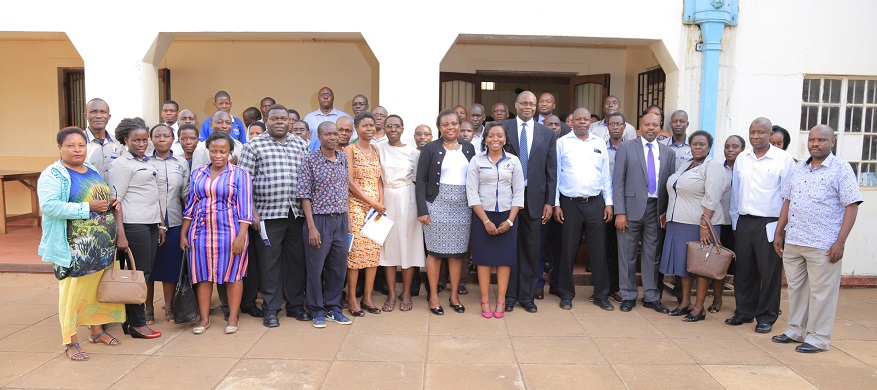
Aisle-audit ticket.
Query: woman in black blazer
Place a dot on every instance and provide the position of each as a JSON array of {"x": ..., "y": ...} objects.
[{"x": 442, "y": 207}]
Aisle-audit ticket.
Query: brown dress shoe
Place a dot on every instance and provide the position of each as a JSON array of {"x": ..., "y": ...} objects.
[{"x": 540, "y": 293}]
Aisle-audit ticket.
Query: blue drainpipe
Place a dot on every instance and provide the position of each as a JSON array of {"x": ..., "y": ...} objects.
[{"x": 712, "y": 16}]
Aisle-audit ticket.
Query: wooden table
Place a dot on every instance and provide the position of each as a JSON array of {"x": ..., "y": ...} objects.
[{"x": 29, "y": 180}]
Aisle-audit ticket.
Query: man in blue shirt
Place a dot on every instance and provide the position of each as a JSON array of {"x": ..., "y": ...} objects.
[
  {"x": 326, "y": 112},
  {"x": 222, "y": 102}
]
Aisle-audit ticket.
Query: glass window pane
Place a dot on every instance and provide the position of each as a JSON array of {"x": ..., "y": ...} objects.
[
  {"x": 831, "y": 91},
  {"x": 830, "y": 116},
  {"x": 867, "y": 177},
  {"x": 856, "y": 91},
  {"x": 871, "y": 92},
  {"x": 812, "y": 113},
  {"x": 870, "y": 122},
  {"x": 866, "y": 149},
  {"x": 811, "y": 91},
  {"x": 869, "y": 143},
  {"x": 853, "y": 119},
  {"x": 804, "y": 113}
]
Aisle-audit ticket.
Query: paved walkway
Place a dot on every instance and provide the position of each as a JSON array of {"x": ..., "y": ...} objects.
[{"x": 554, "y": 349}]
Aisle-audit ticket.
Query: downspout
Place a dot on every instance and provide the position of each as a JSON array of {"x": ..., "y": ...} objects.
[{"x": 712, "y": 16}]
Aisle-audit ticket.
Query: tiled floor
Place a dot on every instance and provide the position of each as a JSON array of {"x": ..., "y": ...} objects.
[{"x": 553, "y": 349}]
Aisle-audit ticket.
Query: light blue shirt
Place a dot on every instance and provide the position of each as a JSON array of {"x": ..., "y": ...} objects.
[
  {"x": 583, "y": 168},
  {"x": 53, "y": 191},
  {"x": 315, "y": 118},
  {"x": 238, "y": 131}
]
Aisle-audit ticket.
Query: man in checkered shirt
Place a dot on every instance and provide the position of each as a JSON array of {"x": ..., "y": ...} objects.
[{"x": 273, "y": 161}]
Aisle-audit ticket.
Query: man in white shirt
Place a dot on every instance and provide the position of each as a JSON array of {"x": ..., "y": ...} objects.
[
  {"x": 169, "y": 112},
  {"x": 583, "y": 201},
  {"x": 611, "y": 105},
  {"x": 756, "y": 200},
  {"x": 476, "y": 118},
  {"x": 380, "y": 114},
  {"x": 326, "y": 112}
]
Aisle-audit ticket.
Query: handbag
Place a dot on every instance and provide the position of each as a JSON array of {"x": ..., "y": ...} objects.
[
  {"x": 710, "y": 261},
  {"x": 122, "y": 285},
  {"x": 185, "y": 307}
]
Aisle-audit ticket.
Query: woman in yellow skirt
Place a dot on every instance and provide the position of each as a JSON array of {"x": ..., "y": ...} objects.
[{"x": 79, "y": 238}]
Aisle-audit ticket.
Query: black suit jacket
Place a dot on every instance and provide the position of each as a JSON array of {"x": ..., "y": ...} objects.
[
  {"x": 541, "y": 165},
  {"x": 429, "y": 169}
]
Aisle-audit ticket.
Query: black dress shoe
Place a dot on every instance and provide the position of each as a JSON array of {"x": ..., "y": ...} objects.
[
  {"x": 551, "y": 290},
  {"x": 529, "y": 307},
  {"x": 808, "y": 348},
  {"x": 616, "y": 296},
  {"x": 694, "y": 318},
  {"x": 540, "y": 293},
  {"x": 225, "y": 312},
  {"x": 604, "y": 304},
  {"x": 628, "y": 305},
  {"x": 679, "y": 311},
  {"x": 300, "y": 315},
  {"x": 783, "y": 339},
  {"x": 253, "y": 311},
  {"x": 510, "y": 304},
  {"x": 738, "y": 319},
  {"x": 270, "y": 320},
  {"x": 457, "y": 308},
  {"x": 439, "y": 311},
  {"x": 566, "y": 304},
  {"x": 763, "y": 327},
  {"x": 656, "y": 306}
]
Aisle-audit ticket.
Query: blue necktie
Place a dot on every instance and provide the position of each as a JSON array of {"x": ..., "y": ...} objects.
[
  {"x": 524, "y": 154},
  {"x": 653, "y": 185}
]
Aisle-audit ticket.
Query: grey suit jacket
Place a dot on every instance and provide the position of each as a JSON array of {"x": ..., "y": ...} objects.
[
  {"x": 541, "y": 166},
  {"x": 630, "y": 182}
]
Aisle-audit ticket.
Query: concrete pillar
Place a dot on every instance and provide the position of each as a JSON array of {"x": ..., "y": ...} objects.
[
  {"x": 120, "y": 68},
  {"x": 409, "y": 74}
]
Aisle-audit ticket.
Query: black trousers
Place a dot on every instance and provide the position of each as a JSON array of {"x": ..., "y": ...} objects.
[
  {"x": 523, "y": 278},
  {"x": 581, "y": 215},
  {"x": 251, "y": 281},
  {"x": 612, "y": 254},
  {"x": 326, "y": 265},
  {"x": 758, "y": 278},
  {"x": 143, "y": 241},
  {"x": 282, "y": 269}
]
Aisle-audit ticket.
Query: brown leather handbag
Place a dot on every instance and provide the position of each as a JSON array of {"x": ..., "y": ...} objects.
[
  {"x": 709, "y": 261},
  {"x": 126, "y": 286}
]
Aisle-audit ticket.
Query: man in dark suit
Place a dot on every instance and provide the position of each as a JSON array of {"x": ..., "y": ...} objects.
[
  {"x": 546, "y": 106},
  {"x": 642, "y": 166},
  {"x": 534, "y": 144}
]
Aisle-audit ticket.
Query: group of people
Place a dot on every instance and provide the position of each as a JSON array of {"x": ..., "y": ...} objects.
[{"x": 274, "y": 205}]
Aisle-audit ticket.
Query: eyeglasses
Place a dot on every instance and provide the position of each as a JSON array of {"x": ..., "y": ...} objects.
[
  {"x": 615, "y": 123},
  {"x": 527, "y": 104}
]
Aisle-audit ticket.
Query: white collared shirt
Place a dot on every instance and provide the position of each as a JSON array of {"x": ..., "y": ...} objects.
[
  {"x": 530, "y": 125},
  {"x": 756, "y": 183},
  {"x": 601, "y": 129},
  {"x": 656, "y": 152},
  {"x": 583, "y": 168}
]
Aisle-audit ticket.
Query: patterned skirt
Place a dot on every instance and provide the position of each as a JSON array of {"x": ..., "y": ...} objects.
[{"x": 447, "y": 235}]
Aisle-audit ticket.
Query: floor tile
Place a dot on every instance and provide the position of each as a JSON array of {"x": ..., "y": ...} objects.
[
  {"x": 275, "y": 374},
  {"x": 467, "y": 349},
  {"x": 649, "y": 376},
  {"x": 473, "y": 376},
  {"x": 374, "y": 375},
  {"x": 573, "y": 377},
  {"x": 865, "y": 351},
  {"x": 213, "y": 343},
  {"x": 25, "y": 313},
  {"x": 725, "y": 351},
  {"x": 99, "y": 372},
  {"x": 414, "y": 322},
  {"x": 674, "y": 328},
  {"x": 757, "y": 377},
  {"x": 641, "y": 351},
  {"x": 468, "y": 324},
  {"x": 6, "y": 330},
  {"x": 556, "y": 350},
  {"x": 634, "y": 327},
  {"x": 786, "y": 353},
  {"x": 169, "y": 372},
  {"x": 561, "y": 325},
  {"x": 384, "y": 348},
  {"x": 305, "y": 346},
  {"x": 38, "y": 339},
  {"x": 848, "y": 330},
  {"x": 838, "y": 378},
  {"x": 14, "y": 365}
]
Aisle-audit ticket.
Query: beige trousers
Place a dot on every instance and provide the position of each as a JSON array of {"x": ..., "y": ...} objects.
[{"x": 813, "y": 289}]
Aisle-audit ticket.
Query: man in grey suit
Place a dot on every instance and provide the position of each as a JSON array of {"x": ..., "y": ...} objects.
[
  {"x": 642, "y": 166},
  {"x": 534, "y": 144}
]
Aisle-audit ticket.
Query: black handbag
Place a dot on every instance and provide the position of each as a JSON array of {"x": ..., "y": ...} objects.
[{"x": 185, "y": 302}]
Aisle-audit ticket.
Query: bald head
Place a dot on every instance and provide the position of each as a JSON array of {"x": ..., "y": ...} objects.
[
  {"x": 820, "y": 141},
  {"x": 476, "y": 116},
  {"x": 221, "y": 122},
  {"x": 759, "y": 135},
  {"x": 187, "y": 117},
  {"x": 581, "y": 119},
  {"x": 525, "y": 104},
  {"x": 500, "y": 111}
]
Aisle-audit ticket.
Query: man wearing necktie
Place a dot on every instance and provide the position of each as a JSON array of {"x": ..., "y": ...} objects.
[
  {"x": 642, "y": 166},
  {"x": 534, "y": 144}
]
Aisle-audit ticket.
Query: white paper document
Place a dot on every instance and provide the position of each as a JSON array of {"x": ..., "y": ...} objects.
[
  {"x": 264, "y": 233},
  {"x": 376, "y": 229},
  {"x": 771, "y": 230}
]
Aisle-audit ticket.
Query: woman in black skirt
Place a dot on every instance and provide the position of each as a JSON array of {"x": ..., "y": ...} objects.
[{"x": 495, "y": 189}]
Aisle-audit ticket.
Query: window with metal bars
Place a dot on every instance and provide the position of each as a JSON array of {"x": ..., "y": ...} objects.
[
  {"x": 72, "y": 97},
  {"x": 849, "y": 105},
  {"x": 650, "y": 90}
]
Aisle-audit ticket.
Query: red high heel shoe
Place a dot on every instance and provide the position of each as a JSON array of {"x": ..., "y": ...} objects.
[
  {"x": 137, "y": 335},
  {"x": 486, "y": 314},
  {"x": 499, "y": 314}
]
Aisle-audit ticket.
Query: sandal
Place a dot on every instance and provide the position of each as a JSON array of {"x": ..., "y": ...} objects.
[
  {"x": 79, "y": 356},
  {"x": 406, "y": 306},
  {"x": 462, "y": 290},
  {"x": 389, "y": 305},
  {"x": 169, "y": 315},
  {"x": 714, "y": 309},
  {"x": 94, "y": 339},
  {"x": 370, "y": 309}
]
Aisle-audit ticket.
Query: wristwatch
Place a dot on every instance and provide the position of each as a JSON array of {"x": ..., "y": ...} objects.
[{"x": 510, "y": 222}]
